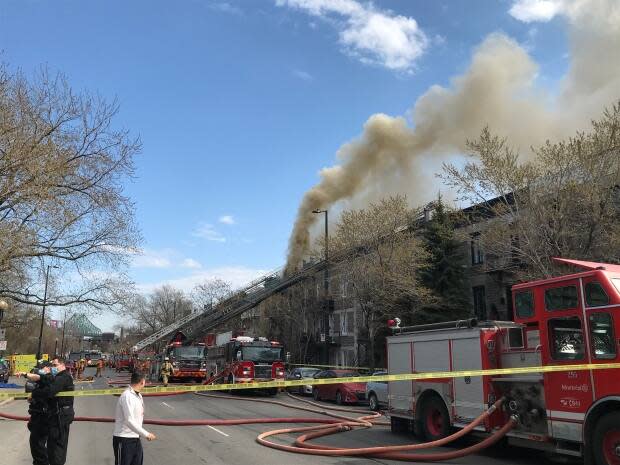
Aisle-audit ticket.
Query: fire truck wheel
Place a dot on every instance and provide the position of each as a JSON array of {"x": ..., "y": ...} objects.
[
  {"x": 435, "y": 419},
  {"x": 339, "y": 397},
  {"x": 315, "y": 394},
  {"x": 399, "y": 425},
  {"x": 606, "y": 440},
  {"x": 272, "y": 391}
]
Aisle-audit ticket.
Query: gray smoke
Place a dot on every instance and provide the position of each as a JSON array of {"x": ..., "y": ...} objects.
[{"x": 498, "y": 89}]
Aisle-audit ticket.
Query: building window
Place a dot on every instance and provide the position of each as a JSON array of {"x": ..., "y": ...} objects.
[
  {"x": 566, "y": 338},
  {"x": 596, "y": 295},
  {"x": 561, "y": 298},
  {"x": 477, "y": 257},
  {"x": 350, "y": 322},
  {"x": 602, "y": 335},
  {"x": 336, "y": 327},
  {"x": 480, "y": 304}
]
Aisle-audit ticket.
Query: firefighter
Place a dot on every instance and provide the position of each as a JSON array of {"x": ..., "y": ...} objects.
[
  {"x": 81, "y": 365},
  {"x": 166, "y": 370},
  {"x": 100, "y": 365}
]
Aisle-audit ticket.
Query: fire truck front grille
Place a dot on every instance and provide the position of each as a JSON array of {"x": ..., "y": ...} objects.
[
  {"x": 262, "y": 371},
  {"x": 189, "y": 365}
]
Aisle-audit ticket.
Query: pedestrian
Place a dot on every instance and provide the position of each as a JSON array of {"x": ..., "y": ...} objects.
[
  {"x": 38, "y": 410},
  {"x": 128, "y": 424},
  {"x": 100, "y": 365},
  {"x": 166, "y": 371},
  {"x": 59, "y": 414}
]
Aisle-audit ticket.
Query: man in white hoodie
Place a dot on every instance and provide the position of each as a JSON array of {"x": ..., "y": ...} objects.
[{"x": 128, "y": 424}]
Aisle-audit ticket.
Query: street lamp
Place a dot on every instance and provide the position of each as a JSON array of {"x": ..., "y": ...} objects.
[
  {"x": 325, "y": 282},
  {"x": 3, "y": 307},
  {"x": 47, "y": 277}
]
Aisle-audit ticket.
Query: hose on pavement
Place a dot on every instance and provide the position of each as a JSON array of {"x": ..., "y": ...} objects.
[{"x": 327, "y": 426}]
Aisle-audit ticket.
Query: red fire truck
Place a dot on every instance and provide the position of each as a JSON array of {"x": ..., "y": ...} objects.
[
  {"x": 572, "y": 319},
  {"x": 245, "y": 359},
  {"x": 188, "y": 361}
]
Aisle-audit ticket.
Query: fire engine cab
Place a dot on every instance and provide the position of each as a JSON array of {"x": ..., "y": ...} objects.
[
  {"x": 567, "y": 320},
  {"x": 188, "y": 359},
  {"x": 245, "y": 359}
]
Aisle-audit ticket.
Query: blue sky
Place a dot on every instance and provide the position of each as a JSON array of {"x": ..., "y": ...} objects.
[{"x": 240, "y": 104}]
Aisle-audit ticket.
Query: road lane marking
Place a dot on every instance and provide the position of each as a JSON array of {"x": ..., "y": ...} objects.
[
  {"x": 218, "y": 431},
  {"x": 169, "y": 406}
]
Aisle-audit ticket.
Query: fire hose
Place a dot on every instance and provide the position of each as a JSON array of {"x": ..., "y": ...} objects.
[{"x": 338, "y": 423}]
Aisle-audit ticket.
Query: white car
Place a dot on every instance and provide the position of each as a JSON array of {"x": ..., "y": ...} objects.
[
  {"x": 377, "y": 392},
  {"x": 302, "y": 373}
]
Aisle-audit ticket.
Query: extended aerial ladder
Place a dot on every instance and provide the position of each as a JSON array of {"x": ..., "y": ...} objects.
[{"x": 234, "y": 305}]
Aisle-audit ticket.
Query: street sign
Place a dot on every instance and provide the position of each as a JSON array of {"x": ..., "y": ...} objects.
[{"x": 2, "y": 345}]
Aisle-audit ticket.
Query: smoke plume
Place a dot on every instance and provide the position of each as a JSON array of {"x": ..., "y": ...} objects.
[{"x": 498, "y": 89}]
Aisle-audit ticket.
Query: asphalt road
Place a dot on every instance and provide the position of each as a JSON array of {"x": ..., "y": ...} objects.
[{"x": 91, "y": 443}]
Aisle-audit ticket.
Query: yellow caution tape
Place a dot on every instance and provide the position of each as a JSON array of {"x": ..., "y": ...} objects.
[{"x": 356, "y": 379}]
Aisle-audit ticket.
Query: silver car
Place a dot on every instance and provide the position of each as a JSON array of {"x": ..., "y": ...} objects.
[
  {"x": 302, "y": 373},
  {"x": 377, "y": 392}
]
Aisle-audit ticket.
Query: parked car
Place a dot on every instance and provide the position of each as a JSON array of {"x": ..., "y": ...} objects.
[
  {"x": 4, "y": 372},
  {"x": 352, "y": 393},
  {"x": 302, "y": 373},
  {"x": 377, "y": 392}
]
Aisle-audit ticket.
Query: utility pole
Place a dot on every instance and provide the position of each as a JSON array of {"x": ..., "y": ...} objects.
[{"x": 62, "y": 344}]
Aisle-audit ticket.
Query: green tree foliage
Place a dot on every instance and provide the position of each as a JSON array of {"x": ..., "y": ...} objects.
[{"x": 444, "y": 273}]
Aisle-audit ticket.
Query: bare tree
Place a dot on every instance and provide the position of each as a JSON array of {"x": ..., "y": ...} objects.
[
  {"x": 564, "y": 202},
  {"x": 161, "y": 308},
  {"x": 62, "y": 169},
  {"x": 381, "y": 264},
  {"x": 210, "y": 292}
]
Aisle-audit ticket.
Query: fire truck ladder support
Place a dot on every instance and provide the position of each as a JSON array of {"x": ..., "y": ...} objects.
[
  {"x": 235, "y": 304},
  {"x": 337, "y": 423}
]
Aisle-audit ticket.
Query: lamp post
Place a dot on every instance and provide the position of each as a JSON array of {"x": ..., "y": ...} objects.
[
  {"x": 3, "y": 307},
  {"x": 47, "y": 277},
  {"x": 56, "y": 348},
  {"x": 325, "y": 283}
]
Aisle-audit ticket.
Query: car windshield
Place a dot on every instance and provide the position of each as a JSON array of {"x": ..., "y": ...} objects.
[
  {"x": 188, "y": 352},
  {"x": 261, "y": 354},
  {"x": 308, "y": 372},
  {"x": 346, "y": 374}
]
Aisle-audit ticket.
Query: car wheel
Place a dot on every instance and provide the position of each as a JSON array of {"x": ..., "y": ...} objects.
[
  {"x": 315, "y": 394},
  {"x": 373, "y": 402},
  {"x": 606, "y": 440},
  {"x": 435, "y": 419},
  {"x": 338, "y": 397}
]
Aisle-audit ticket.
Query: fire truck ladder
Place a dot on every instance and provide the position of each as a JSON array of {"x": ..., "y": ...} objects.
[
  {"x": 237, "y": 303},
  {"x": 166, "y": 331}
]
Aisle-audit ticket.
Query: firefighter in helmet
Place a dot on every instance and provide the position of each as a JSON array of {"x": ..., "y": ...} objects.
[{"x": 166, "y": 371}]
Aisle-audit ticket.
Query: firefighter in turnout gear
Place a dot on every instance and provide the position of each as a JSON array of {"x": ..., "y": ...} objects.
[{"x": 166, "y": 371}]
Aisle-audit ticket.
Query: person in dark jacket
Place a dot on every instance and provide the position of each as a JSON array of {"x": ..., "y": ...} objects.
[
  {"x": 60, "y": 411},
  {"x": 38, "y": 409}
]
